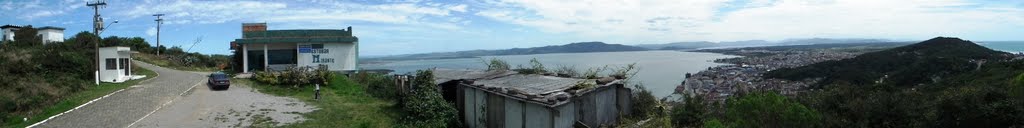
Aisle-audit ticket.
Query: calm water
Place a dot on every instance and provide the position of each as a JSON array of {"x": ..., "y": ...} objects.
[
  {"x": 1006, "y": 46},
  {"x": 659, "y": 71}
]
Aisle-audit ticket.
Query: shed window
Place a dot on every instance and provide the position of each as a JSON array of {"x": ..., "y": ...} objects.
[
  {"x": 111, "y": 63},
  {"x": 124, "y": 63}
]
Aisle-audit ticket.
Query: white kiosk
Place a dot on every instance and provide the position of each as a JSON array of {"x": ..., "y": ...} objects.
[{"x": 115, "y": 65}]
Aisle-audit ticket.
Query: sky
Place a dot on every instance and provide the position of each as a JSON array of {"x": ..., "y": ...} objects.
[{"x": 392, "y": 27}]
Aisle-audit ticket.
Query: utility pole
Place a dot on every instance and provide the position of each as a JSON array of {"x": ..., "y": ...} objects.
[
  {"x": 159, "y": 21},
  {"x": 96, "y": 27}
]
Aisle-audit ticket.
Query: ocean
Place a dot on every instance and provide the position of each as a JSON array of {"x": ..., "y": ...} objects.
[
  {"x": 1006, "y": 46},
  {"x": 659, "y": 71}
]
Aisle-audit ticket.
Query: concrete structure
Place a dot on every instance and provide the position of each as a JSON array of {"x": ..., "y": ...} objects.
[
  {"x": 498, "y": 99},
  {"x": 266, "y": 49},
  {"x": 8, "y": 32},
  {"x": 49, "y": 34},
  {"x": 115, "y": 64}
]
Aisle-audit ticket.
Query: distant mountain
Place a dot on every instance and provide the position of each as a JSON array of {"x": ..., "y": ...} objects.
[
  {"x": 828, "y": 41},
  {"x": 922, "y": 63},
  {"x": 753, "y": 43},
  {"x": 580, "y": 47}
]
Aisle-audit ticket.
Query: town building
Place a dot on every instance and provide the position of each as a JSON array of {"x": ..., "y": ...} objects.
[
  {"x": 499, "y": 99},
  {"x": 115, "y": 66},
  {"x": 269, "y": 50},
  {"x": 49, "y": 34},
  {"x": 8, "y": 32}
]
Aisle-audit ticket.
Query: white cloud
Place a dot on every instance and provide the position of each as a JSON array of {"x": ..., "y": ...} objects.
[
  {"x": 718, "y": 20},
  {"x": 151, "y": 31},
  {"x": 206, "y": 12}
]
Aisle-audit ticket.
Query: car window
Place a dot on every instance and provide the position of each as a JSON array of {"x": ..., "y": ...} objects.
[{"x": 220, "y": 76}]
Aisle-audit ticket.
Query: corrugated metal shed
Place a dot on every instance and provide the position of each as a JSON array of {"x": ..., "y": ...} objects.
[{"x": 509, "y": 99}]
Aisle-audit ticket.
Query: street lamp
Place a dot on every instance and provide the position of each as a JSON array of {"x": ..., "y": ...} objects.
[{"x": 104, "y": 29}]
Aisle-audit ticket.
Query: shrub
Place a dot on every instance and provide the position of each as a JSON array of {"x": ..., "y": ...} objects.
[
  {"x": 425, "y": 107},
  {"x": 295, "y": 76},
  {"x": 769, "y": 109},
  {"x": 645, "y": 104},
  {"x": 690, "y": 113},
  {"x": 496, "y": 64},
  {"x": 535, "y": 68},
  {"x": 378, "y": 85}
]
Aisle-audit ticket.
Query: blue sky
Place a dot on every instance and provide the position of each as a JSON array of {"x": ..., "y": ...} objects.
[{"x": 394, "y": 27}]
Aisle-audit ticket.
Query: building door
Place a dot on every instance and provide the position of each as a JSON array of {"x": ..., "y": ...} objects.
[{"x": 256, "y": 61}]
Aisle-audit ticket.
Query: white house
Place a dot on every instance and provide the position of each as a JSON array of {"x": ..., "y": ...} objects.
[
  {"x": 49, "y": 34},
  {"x": 8, "y": 32},
  {"x": 115, "y": 65},
  {"x": 266, "y": 49}
]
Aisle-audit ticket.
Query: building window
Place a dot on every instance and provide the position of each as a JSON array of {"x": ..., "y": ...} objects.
[
  {"x": 111, "y": 63},
  {"x": 124, "y": 63},
  {"x": 281, "y": 56}
]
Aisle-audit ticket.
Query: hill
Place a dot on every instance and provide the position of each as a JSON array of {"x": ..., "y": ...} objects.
[
  {"x": 922, "y": 63},
  {"x": 580, "y": 47}
]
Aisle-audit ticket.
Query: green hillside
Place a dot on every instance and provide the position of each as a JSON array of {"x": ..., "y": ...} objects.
[
  {"x": 923, "y": 63},
  {"x": 935, "y": 83}
]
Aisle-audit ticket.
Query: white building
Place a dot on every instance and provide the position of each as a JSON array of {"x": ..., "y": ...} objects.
[
  {"x": 8, "y": 32},
  {"x": 115, "y": 65},
  {"x": 266, "y": 49},
  {"x": 49, "y": 34}
]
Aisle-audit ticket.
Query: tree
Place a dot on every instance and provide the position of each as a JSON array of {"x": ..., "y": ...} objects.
[
  {"x": 690, "y": 113},
  {"x": 769, "y": 109},
  {"x": 27, "y": 36},
  {"x": 425, "y": 107},
  {"x": 83, "y": 39},
  {"x": 645, "y": 104}
]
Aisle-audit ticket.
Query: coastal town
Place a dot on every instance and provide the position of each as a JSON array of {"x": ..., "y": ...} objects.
[{"x": 745, "y": 74}]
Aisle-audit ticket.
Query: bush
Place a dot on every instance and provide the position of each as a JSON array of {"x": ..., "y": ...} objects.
[
  {"x": 645, "y": 104},
  {"x": 378, "y": 85},
  {"x": 496, "y": 64},
  {"x": 690, "y": 113},
  {"x": 769, "y": 109},
  {"x": 425, "y": 107},
  {"x": 295, "y": 76}
]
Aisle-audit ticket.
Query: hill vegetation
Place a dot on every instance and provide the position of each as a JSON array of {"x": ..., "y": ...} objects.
[
  {"x": 40, "y": 79},
  {"x": 927, "y": 62},
  {"x": 935, "y": 83}
]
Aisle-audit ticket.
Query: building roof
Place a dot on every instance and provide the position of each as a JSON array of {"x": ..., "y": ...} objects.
[
  {"x": 298, "y": 36},
  {"x": 9, "y": 26},
  {"x": 535, "y": 88},
  {"x": 51, "y": 27}
]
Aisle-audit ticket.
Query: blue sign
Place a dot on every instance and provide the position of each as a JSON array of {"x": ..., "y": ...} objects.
[{"x": 305, "y": 49}]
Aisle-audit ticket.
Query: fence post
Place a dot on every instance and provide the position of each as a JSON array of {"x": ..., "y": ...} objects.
[{"x": 317, "y": 93}]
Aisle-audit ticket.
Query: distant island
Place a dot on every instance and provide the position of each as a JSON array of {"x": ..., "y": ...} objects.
[{"x": 580, "y": 47}]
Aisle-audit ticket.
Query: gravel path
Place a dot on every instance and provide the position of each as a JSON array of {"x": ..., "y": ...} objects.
[
  {"x": 170, "y": 100},
  {"x": 238, "y": 106}
]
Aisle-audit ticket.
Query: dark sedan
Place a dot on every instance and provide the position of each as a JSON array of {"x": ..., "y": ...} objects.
[{"x": 219, "y": 80}]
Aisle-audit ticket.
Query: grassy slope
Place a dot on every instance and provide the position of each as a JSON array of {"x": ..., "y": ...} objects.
[
  {"x": 79, "y": 98},
  {"x": 153, "y": 59},
  {"x": 344, "y": 104}
]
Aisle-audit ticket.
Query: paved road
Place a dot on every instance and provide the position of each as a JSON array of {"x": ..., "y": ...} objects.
[{"x": 128, "y": 106}]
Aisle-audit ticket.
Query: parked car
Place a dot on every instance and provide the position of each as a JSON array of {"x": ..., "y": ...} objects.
[{"x": 219, "y": 80}]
